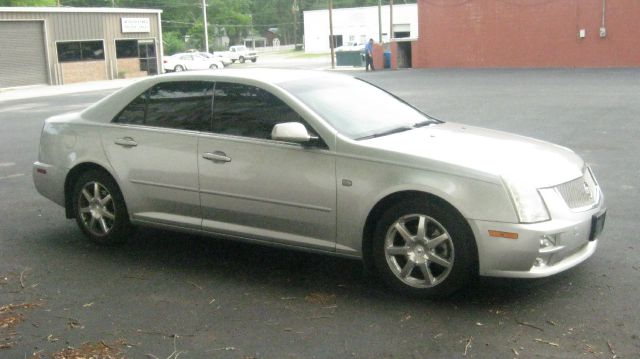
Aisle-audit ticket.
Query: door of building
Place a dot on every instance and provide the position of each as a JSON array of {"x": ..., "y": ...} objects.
[{"x": 23, "y": 59}]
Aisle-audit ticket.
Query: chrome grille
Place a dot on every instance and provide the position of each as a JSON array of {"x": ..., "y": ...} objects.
[{"x": 581, "y": 193}]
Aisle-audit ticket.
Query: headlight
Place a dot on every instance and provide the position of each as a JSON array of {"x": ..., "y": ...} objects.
[{"x": 529, "y": 205}]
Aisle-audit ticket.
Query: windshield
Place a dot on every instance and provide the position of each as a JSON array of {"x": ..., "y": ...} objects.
[{"x": 356, "y": 108}]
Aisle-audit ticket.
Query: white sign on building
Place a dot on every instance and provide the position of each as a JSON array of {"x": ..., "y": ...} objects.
[{"x": 135, "y": 24}]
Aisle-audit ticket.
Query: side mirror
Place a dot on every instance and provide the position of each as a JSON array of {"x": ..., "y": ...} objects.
[{"x": 291, "y": 132}]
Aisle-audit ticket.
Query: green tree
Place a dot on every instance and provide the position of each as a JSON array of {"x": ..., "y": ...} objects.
[
  {"x": 231, "y": 15},
  {"x": 27, "y": 2},
  {"x": 173, "y": 42}
]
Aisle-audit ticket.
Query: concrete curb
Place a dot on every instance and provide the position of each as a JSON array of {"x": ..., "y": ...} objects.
[{"x": 20, "y": 93}]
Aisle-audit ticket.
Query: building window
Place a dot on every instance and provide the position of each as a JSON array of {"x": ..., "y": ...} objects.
[
  {"x": 80, "y": 51},
  {"x": 142, "y": 50},
  {"x": 126, "y": 49},
  {"x": 401, "y": 30},
  {"x": 337, "y": 41}
]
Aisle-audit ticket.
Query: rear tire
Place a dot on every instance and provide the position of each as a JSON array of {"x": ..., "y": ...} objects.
[
  {"x": 99, "y": 208},
  {"x": 178, "y": 68},
  {"x": 242, "y": 59},
  {"x": 422, "y": 249},
  {"x": 213, "y": 67},
  {"x": 254, "y": 60}
]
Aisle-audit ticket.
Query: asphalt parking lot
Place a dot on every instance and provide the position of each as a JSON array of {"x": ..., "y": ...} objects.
[{"x": 167, "y": 294}]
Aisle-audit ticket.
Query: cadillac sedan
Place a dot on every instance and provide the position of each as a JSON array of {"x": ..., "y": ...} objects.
[{"x": 326, "y": 163}]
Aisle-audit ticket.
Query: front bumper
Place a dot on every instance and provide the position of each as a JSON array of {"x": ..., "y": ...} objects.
[{"x": 541, "y": 249}]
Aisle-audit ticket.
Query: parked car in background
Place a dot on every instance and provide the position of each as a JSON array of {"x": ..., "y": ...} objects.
[
  {"x": 301, "y": 159},
  {"x": 222, "y": 56},
  {"x": 241, "y": 54},
  {"x": 351, "y": 46},
  {"x": 190, "y": 61}
]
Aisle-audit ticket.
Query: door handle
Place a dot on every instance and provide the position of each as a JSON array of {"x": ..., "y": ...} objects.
[
  {"x": 126, "y": 142},
  {"x": 217, "y": 157}
]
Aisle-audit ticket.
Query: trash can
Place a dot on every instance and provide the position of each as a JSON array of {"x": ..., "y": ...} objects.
[
  {"x": 387, "y": 59},
  {"x": 349, "y": 58}
]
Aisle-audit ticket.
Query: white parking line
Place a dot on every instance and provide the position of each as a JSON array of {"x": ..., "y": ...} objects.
[
  {"x": 7, "y": 164},
  {"x": 12, "y": 176}
]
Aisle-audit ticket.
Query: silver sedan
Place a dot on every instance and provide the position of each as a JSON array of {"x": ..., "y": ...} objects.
[{"x": 325, "y": 163}]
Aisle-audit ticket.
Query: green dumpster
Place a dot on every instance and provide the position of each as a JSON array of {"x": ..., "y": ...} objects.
[{"x": 350, "y": 58}]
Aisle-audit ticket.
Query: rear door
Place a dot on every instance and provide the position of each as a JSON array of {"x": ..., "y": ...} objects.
[{"x": 152, "y": 144}]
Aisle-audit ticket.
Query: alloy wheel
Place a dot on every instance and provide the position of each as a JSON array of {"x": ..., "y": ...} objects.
[
  {"x": 96, "y": 209},
  {"x": 419, "y": 251}
]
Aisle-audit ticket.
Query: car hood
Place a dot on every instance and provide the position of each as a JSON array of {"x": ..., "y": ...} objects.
[{"x": 511, "y": 157}]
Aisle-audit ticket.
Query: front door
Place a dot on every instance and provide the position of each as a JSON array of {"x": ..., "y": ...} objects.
[{"x": 257, "y": 188}]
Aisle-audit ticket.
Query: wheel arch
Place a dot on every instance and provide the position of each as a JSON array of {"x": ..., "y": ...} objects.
[
  {"x": 72, "y": 178},
  {"x": 379, "y": 208}
]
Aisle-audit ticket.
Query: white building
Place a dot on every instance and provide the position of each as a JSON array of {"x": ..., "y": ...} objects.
[{"x": 358, "y": 25}]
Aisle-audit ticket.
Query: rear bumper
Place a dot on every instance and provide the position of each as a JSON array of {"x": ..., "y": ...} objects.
[{"x": 49, "y": 181}]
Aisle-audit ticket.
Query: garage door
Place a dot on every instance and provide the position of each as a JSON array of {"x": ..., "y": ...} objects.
[{"x": 23, "y": 58}]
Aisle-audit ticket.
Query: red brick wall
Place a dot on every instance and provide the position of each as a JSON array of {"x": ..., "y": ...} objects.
[
  {"x": 527, "y": 33},
  {"x": 378, "y": 56}
]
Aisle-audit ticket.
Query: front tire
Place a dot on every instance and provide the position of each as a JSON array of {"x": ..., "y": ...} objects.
[
  {"x": 100, "y": 209},
  {"x": 213, "y": 67},
  {"x": 254, "y": 60},
  {"x": 423, "y": 249},
  {"x": 242, "y": 59}
]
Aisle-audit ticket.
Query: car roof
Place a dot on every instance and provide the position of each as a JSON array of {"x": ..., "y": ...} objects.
[
  {"x": 272, "y": 76},
  {"x": 184, "y": 53}
]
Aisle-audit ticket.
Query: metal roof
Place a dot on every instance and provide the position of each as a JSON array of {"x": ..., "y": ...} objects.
[{"x": 109, "y": 10}]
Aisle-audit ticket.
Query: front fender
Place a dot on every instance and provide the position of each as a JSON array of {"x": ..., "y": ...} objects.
[{"x": 371, "y": 182}]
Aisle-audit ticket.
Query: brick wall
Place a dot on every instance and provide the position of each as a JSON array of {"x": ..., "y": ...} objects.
[
  {"x": 527, "y": 33},
  {"x": 128, "y": 68},
  {"x": 82, "y": 71},
  {"x": 378, "y": 55}
]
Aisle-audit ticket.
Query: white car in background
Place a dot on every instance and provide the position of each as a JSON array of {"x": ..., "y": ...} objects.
[
  {"x": 222, "y": 56},
  {"x": 351, "y": 46},
  {"x": 190, "y": 61}
]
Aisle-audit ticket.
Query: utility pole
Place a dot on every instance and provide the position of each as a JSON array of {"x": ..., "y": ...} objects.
[
  {"x": 390, "y": 20},
  {"x": 294, "y": 10},
  {"x": 331, "y": 40},
  {"x": 206, "y": 31},
  {"x": 380, "y": 21}
]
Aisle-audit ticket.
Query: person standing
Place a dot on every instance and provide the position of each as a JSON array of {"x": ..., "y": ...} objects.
[{"x": 368, "y": 51}]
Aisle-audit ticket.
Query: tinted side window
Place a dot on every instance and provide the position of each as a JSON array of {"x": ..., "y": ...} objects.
[
  {"x": 248, "y": 111},
  {"x": 134, "y": 113},
  {"x": 183, "y": 105}
]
